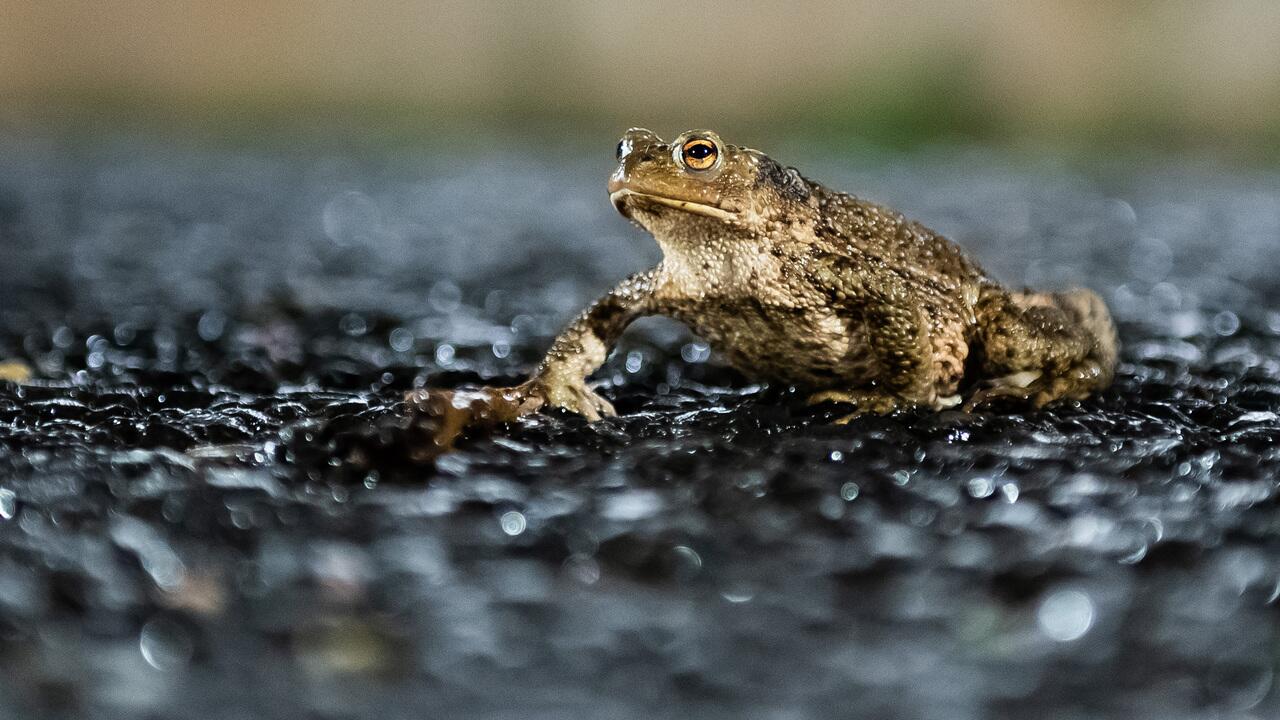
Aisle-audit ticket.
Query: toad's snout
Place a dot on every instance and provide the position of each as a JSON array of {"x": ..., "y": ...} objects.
[{"x": 617, "y": 181}]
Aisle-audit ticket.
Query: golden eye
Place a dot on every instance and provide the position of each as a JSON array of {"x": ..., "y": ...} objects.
[{"x": 699, "y": 153}]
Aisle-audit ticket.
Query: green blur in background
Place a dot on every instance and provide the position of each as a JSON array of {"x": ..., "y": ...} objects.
[{"x": 1068, "y": 76}]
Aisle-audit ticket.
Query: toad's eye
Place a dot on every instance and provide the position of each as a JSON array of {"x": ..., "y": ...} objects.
[
  {"x": 623, "y": 149},
  {"x": 699, "y": 153}
]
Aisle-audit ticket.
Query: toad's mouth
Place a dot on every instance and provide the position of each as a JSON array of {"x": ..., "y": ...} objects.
[{"x": 620, "y": 199}]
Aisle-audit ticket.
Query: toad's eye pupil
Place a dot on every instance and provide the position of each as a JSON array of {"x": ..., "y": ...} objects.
[
  {"x": 698, "y": 154},
  {"x": 622, "y": 146},
  {"x": 698, "y": 151}
]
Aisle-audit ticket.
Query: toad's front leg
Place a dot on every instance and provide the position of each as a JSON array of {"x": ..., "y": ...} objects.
[{"x": 558, "y": 381}]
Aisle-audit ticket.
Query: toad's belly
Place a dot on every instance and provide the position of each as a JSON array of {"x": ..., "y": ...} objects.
[{"x": 786, "y": 344}]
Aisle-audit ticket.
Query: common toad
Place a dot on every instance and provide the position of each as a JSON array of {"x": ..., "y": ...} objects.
[{"x": 802, "y": 285}]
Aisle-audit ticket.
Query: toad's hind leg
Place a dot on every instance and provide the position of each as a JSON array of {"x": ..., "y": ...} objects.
[
  {"x": 1037, "y": 348},
  {"x": 865, "y": 402},
  {"x": 873, "y": 402}
]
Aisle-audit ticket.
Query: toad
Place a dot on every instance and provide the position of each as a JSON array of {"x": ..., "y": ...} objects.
[{"x": 798, "y": 284}]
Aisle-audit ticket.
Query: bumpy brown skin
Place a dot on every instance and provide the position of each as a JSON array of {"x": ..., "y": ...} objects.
[{"x": 802, "y": 285}]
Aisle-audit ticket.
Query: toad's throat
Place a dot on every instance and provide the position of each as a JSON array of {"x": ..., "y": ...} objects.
[{"x": 620, "y": 198}]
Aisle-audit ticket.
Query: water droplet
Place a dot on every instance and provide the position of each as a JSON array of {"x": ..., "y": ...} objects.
[
  {"x": 738, "y": 595},
  {"x": 124, "y": 334},
  {"x": 353, "y": 325},
  {"x": 635, "y": 360},
  {"x": 513, "y": 523},
  {"x": 1226, "y": 323},
  {"x": 1273, "y": 322},
  {"x": 688, "y": 561},
  {"x": 444, "y": 354},
  {"x": 981, "y": 487},
  {"x": 211, "y": 325},
  {"x": 1134, "y": 557},
  {"x": 165, "y": 644},
  {"x": 63, "y": 337},
  {"x": 1122, "y": 211},
  {"x": 1010, "y": 492},
  {"x": 8, "y": 503},
  {"x": 1065, "y": 615},
  {"x": 444, "y": 297},
  {"x": 401, "y": 339},
  {"x": 695, "y": 352},
  {"x": 849, "y": 491},
  {"x": 350, "y": 218}
]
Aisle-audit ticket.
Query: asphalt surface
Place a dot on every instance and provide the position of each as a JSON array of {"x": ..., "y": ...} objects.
[{"x": 211, "y": 506}]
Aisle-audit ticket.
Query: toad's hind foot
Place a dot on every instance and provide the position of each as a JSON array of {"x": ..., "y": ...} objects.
[
  {"x": 1043, "y": 347},
  {"x": 1036, "y": 389},
  {"x": 866, "y": 402}
]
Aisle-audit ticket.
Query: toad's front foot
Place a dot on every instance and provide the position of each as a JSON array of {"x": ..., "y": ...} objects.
[{"x": 448, "y": 415}]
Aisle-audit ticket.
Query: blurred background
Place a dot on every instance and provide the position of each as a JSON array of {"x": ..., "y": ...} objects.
[{"x": 1072, "y": 74}]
